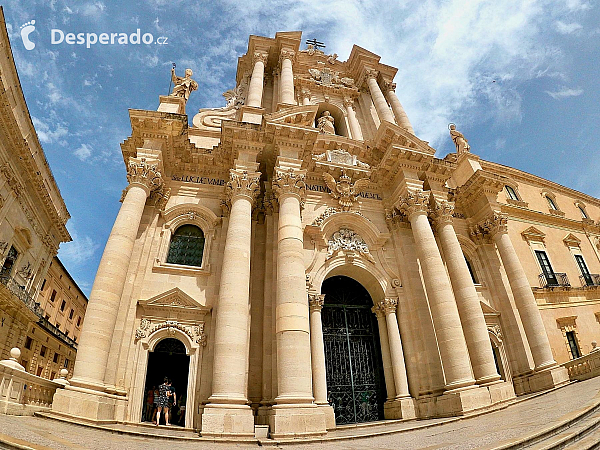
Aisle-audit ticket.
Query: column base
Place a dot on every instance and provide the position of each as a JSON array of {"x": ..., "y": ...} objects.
[
  {"x": 541, "y": 381},
  {"x": 251, "y": 114},
  {"x": 89, "y": 405},
  {"x": 227, "y": 421},
  {"x": 329, "y": 416},
  {"x": 263, "y": 413},
  {"x": 289, "y": 421},
  {"x": 400, "y": 408},
  {"x": 457, "y": 403},
  {"x": 501, "y": 392}
]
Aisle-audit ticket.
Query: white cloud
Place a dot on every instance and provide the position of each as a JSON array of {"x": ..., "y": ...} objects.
[
  {"x": 564, "y": 93},
  {"x": 83, "y": 152},
  {"x": 93, "y": 9},
  {"x": 567, "y": 28},
  {"x": 49, "y": 133},
  {"x": 79, "y": 251}
]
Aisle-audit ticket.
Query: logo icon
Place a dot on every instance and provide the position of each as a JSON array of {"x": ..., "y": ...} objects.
[{"x": 26, "y": 30}]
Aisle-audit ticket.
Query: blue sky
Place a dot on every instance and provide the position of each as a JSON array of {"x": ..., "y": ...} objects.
[{"x": 519, "y": 78}]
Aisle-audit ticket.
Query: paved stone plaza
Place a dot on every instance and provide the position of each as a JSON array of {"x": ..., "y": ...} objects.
[{"x": 483, "y": 431}]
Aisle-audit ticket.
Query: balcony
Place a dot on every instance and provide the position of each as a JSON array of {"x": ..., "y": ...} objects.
[
  {"x": 553, "y": 280},
  {"x": 591, "y": 279}
]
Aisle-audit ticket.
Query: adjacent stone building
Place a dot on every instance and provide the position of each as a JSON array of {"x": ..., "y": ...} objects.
[
  {"x": 300, "y": 258},
  {"x": 32, "y": 222}
]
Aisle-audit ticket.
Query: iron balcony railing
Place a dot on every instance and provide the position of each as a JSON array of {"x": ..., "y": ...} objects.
[
  {"x": 590, "y": 279},
  {"x": 21, "y": 293},
  {"x": 554, "y": 280}
]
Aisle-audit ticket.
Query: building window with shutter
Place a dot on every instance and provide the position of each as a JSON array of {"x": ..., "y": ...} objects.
[{"x": 187, "y": 246}]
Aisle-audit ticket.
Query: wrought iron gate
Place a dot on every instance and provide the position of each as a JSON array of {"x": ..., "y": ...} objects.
[{"x": 355, "y": 384}]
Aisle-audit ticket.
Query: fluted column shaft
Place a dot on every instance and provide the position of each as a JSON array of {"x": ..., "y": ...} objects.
[
  {"x": 255, "y": 89},
  {"x": 388, "y": 371},
  {"x": 524, "y": 299},
  {"x": 383, "y": 110},
  {"x": 446, "y": 320},
  {"x": 319, "y": 372},
  {"x": 101, "y": 313},
  {"x": 352, "y": 120},
  {"x": 294, "y": 370},
  {"x": 397, "y": 354},
  {"x": 287, "y": 78},
  {"x": 399, "y": 113},
  {"x": 232, "y": 315},
  {"x": 467, "y": 300}
]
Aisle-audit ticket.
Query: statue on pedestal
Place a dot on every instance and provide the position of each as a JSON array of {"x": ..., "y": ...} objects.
[
  {"x": 183, "y": 85},
  {"x": 462, "y": 145},
  {"x": 325, "y": 123}
]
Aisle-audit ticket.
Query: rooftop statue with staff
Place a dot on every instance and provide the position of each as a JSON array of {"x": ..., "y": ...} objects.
[{"x": 183, "y": 85}]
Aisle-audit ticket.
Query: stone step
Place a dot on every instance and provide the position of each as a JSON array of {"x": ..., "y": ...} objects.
[{"x": 572, "y": 436}]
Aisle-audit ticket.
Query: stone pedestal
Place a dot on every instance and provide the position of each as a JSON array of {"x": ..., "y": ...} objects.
[
  {"x": 501, "y": 392},
  {"x": 220, "y": 420},
  {"x": 170, "y": 104},
  {"x": 88, "y": 404},
  {"x": 288, "y": 421},
  {"x": 547, "y": 379},
  {"x": 458, "y": 402},
  {"x": 403, "y": 408},
  {"x": 251, "y": 114}
]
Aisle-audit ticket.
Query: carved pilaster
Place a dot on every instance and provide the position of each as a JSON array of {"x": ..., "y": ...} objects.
[
  {"x": 289, "y": 182},
  {"x": 146, "y": 173},
  {"x": 414, "y": 202},
  {"x": 442, "y": 212},
  {"x": 389, "y": 305},
  {"x": 316, "y": 301},
  {"x": 242, "y": 183}
]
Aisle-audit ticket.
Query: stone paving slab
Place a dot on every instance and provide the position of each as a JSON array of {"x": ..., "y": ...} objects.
[{"x": 483, "y": 431}]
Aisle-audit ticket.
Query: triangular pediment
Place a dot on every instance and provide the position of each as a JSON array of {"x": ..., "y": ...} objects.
[
  {"x": 488, "y": 310},
  {"x": 173, "y": 298},
  {"x": 533, "y": 234},
  {"x": 571, "y": 240}
]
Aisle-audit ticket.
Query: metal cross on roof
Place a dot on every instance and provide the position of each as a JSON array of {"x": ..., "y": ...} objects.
[{"x": 316, "y": 44}]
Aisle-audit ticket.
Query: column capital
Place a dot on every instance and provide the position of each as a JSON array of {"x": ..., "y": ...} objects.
[
  {"x": 349, "y": 102},
  {"x": 286, "y": 54},
  {"x": 442, "y": 212},
  {"x": 242, "y": 183},
  {"x": 259, "y": 56},
  {"x": 389, "y": 86},
  {"x": 143, "y": 172},
  {"x": 378, "y": 311},
  {"x": 289, "y": 181},
  {"x": 495, "y": 224},
  {"x": 389, "y": 305},
  {"x": 316, "y": 301},
  {"x": 371, "y": 73},
  {"x": 414, "y": 202}
]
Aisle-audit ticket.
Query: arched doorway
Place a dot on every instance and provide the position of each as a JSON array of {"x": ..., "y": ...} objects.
[
  {"x": 169, "y": 359},
  {"x": 355, "y": 380}
]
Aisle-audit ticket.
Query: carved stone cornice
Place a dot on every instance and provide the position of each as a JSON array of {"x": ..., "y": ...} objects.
[
  {"x": 141, "y": 171},
  {"x": 259, "y": 56},
  {"x": 480, "y": 183},
  {"x": 442, "y": 212},
  {"x": 289, "y": 182},
  {"x": 414, "y": 202},
  {"x": 242, "y": 183},
  {"x": 389, "y": 305},
  {"x": 316, "y": 301}
]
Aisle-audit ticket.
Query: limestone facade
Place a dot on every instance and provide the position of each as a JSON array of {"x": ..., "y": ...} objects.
[
  {"x": 239, "y": 236},
  {"x": 32, "y": 225}
]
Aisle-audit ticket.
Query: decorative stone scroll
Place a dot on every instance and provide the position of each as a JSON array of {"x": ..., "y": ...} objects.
[
  {"x": 347, "y": 240},
  {"x": 26, "y": 271},
  {"x": 143, "y": 172},
  {"x": 342, "y": 157},
  {"x": 327, "y": 77},
  {"x": 496, "y": 331},
  {"x": 330, "y": 211},
  {"x": 194, "y": 331}
]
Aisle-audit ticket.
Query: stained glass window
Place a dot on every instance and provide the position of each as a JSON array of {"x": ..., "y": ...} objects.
[{"x": 187, "y": 246}]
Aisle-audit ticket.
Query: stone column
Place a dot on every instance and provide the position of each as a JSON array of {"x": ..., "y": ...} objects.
[
  {"x": 383, "y": 110},
  {"x": 305, "y": 96},
  {"x": 101, "y": 314},
  {"x": 292, "y": 324},
  {"x": 287, "y": 78},
  {"x": 317, "y": 346},
  {"x": 228, "y": 412},
  {"x": 389, "y": 306},
  {"x": 446, "y": 320},
  {"x": 467, "y": 300},
  {"x": 524, "y": 299},
  {"x": 388, "y": 371},
  {"x": 255, "y": 89},
  {"x": 399, "y": 113},
  {"x": 276, "y": 93},
  {"x": 352, "y": 120}
]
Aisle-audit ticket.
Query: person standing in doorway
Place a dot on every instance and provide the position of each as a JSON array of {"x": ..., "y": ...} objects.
[
  {"x": 150, "y": 403},
  {"x": 163, "y": 401},
  {"x": 172, "y": 399}
]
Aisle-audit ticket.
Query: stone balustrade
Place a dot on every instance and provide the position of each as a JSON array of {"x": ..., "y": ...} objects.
[
  {"x": 22, "y": 393},
  {"x": 585, "y": 367}
]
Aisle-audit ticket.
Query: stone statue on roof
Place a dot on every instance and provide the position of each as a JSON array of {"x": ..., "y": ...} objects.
[
  {"x": 183, "y": 85},
  {"x": 462, "y": 145}
]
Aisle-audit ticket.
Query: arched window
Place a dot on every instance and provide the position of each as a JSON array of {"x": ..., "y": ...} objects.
[
  {"x": 511, "y": 192},
  {"x": 471, "y": 271},
  {"x": 551, "y": 203},
  {"x": 187, "y": 246}
]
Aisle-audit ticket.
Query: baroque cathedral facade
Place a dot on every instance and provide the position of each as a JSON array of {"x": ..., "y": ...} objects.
[{"x": 301, "y": 259}]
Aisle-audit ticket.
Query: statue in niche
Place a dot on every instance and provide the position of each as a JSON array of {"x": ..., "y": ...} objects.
[
  {"x": 462, "y": 145},
  {"x": 183, "y": 85},
  {"x": 325, "y": 123}
]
